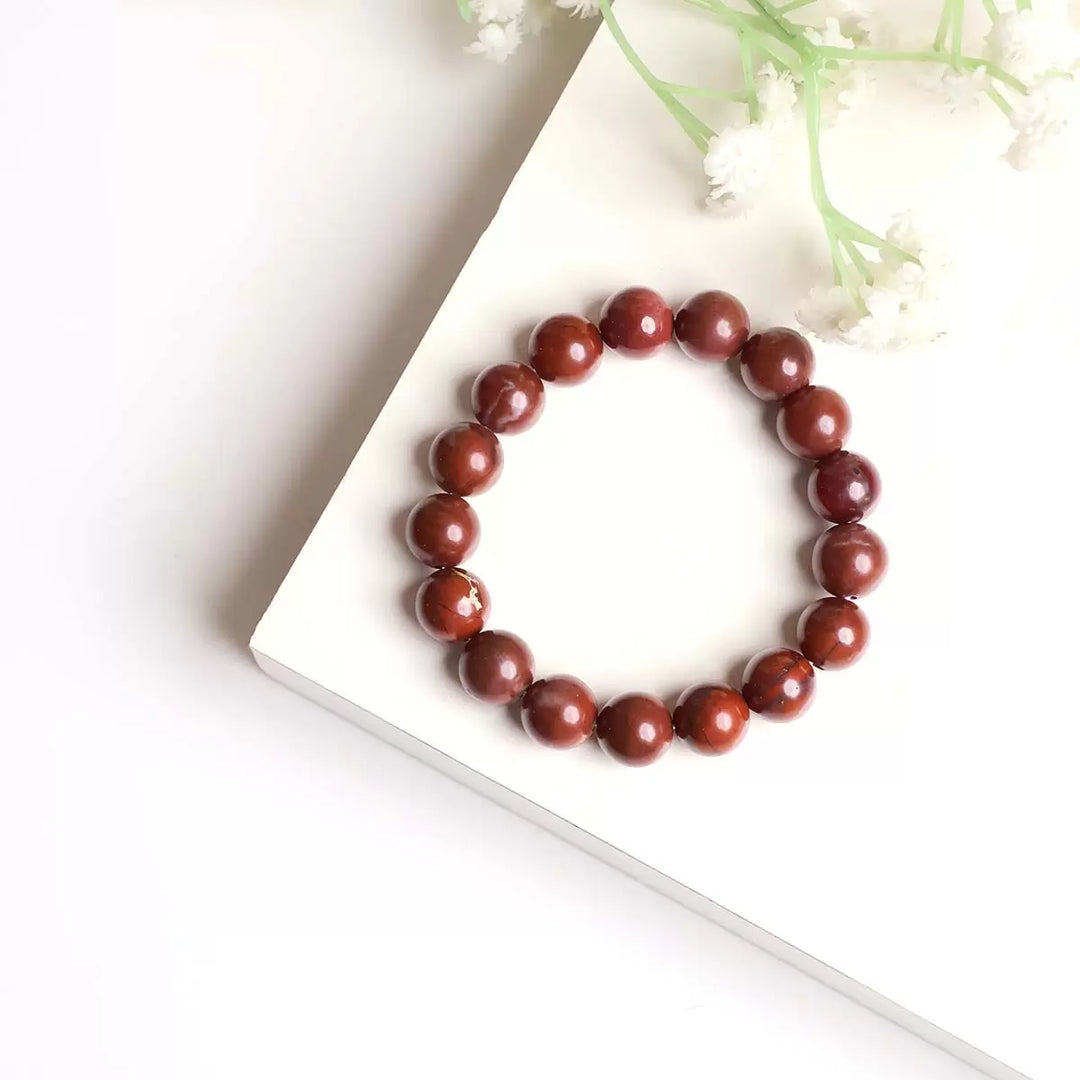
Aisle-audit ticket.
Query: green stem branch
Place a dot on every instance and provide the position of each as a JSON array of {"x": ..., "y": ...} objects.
[
  {"x": 966, "y": 63},
  {"x": 696, "y": 129},
  {"x": 943, "y": 26}
]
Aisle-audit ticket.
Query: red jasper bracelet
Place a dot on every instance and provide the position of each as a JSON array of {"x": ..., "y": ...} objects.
[{"x": 813, "y": 422}]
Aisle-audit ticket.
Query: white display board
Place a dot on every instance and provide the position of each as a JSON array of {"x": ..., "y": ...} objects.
[{"x": 912, "y": 838}]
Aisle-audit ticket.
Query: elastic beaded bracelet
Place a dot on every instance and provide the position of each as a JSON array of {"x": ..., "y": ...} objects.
[{"x": 813, "y": 422}]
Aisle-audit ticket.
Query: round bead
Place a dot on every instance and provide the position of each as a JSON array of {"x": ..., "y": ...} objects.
[
  {"x": 844, "y": 487},
  {"x": 635, "y": 729},
  {"x": 779, "y": 684},
  {"x": 712, "y": 325},
  {"x": 776, "y": 363},
  {"x": 833, "y": 633},
  {"x": 849, "y": 560},
  {"x": 636, "y": 322},
  {"x": 442, "y": 530},
  {"x": 559, "y": 711},
  {"x": 813, "y": 422},
  {"x": 712, "y": 719},
  {"x": 495, "y": 666},
  {"x": 508, "y": 398},
  {"x": 565, "y": 349},
  {"x": 465, "y": 459},
  {"x": 452, "y": 604}
]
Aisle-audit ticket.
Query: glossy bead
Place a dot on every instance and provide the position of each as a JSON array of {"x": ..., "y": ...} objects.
[
  {"x": 635, "y": 729},
  {"x": 508, "y": 398},
  {"x": 465, "y": 459},
  {"x": 559, "y": 711},
  {"x": 452, "y": 604},
  {"x": 712, "y": 325},
  {"x": 813, "y": 422},
  {"x": 565, "y": 349},
  {"x": 442, "y": 530},
  {"x": 844, "y": 487},
  {"x": 833, "y": 633},
  {"x": 849, "y": 560},
  {"x": 779, "y": 684},
  {"x": 636, "y": 322},
  {"x": 776, "y": 363},
  {"x": 712, "y": 719},
  {"x": 495, "y": 666}
]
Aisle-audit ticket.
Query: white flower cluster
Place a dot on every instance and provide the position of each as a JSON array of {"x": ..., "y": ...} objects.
[
  {"x": 1029, "y": 42},
  {"x": 739, "y": 159},
  {"x": 1038, "y": 46},
  {"x": 900, "y": 306},
  {"x": 850, "y": 84},
  {"x": 1040, "y": 118},
  {"x": 504, "y": 23},
  {"x": 854, "y": 20}
]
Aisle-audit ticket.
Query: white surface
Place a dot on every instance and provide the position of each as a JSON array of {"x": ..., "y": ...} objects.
[
  {"x": 205, "y": 876},
  {"x": 644, "y": 537}
]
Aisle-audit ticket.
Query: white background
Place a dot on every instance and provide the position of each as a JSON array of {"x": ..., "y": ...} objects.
[{"x": 205, "y": 876}]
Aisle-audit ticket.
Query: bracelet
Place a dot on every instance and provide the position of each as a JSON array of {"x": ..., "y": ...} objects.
[{"x": 813, "y": 422}]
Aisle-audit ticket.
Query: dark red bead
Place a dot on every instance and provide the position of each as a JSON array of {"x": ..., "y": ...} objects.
[
  {"x": 465, "y": 459},
  {"x": 452, "y": 604},
  {"x": 712, "y": 719},
  {"x": 508, "y": 398},
  {"x": 813, "y": 422},
  {"x": 636, "y": 322},
  {"x": 833, "y": 633},
  {"x": 844, "y": 487},
  {"x": 712, "y": 326},
  {"x": 559, "y": 711},
  {"x": 565, "y": 349},
  {"x": 442, "y": 530},
  {"x": 779, "y": 684},
  {"x": 635, "y": 729},
  {"x": 776, "y": 363},
  {"x": 849, "y": 560},
  {"x": 495, "y": 666}
]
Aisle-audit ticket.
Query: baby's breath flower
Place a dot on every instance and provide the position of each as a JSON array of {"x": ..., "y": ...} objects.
[
  {"x": 959, "y": 89},
  {"x": 496, "y": 10},
  {"x": 898, "y": 306},
  {"x": 1028, "y": 42},
  {"x": 737, "y": 163},
  {"x": 583, "y": 9},
  {"x": 776, "y": 96},
  {"x": 829, "y": 312},
  {"x": 536, "y": 16},
  {"x": 851, "y": 88},
  {"x": 830, "y": 34},
  {"x": 854, "y": 20},
  {"x": 496, "y": 41},
  {"x": 1040, "y": 118}
]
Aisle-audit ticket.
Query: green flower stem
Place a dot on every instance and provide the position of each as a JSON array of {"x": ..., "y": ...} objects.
[
  {"x": 741, "y": 19},
  {"x": 999, "y": 100},
  {"x": 992, "y": 10},
  {"x": 957, "y": 30},
  {"x": 696, "y": 129},
  {"x": 944, "y": 25},
  {"x": 746, "y": 54},
  {"x": 965, "y": 63},
  {"x": 858, "y": 260},
  {"x": 757, "y": 28}
]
